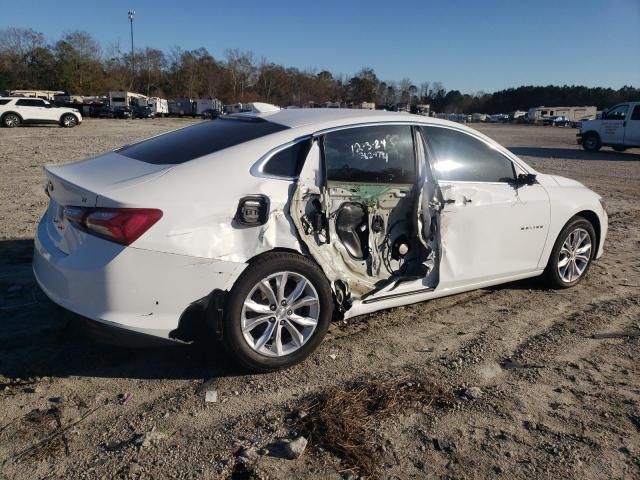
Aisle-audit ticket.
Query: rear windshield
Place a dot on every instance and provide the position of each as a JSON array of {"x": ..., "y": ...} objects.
[{"x": 198, "y": 140}]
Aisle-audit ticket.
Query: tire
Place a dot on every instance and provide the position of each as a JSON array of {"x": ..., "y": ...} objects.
[
  {"x": 591, "y": 142},
  {"x": 68, "y": 120},
  {"x": 619, "y": 148},
  {"x": 256, "y": 347},
  {"x": 11, "y": 120},
  {"x": 557, "y": 277}
]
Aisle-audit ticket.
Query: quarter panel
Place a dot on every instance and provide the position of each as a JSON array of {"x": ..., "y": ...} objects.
[{"x": 566, "y": 202}]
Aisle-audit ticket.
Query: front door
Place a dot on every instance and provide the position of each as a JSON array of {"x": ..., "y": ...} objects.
[
  {"x": 489, "y": 226},
  {"x": 613, "y": 125},
  {"x": 632, "y": 130}
]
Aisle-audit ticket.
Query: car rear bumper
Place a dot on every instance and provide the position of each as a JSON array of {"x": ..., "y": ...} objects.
[{"x": 142, "y": 291}]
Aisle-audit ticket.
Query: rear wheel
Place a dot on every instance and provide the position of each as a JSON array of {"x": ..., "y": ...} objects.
[
  {"x": 11, "y": 120},
  {"x": 572, "y": 254},
  {"x": 278, "y": 312},
  {"x": 591, "y": 142},
  {"x": 68, "y": 120}
]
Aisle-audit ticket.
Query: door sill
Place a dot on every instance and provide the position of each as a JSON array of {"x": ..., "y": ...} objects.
[{"x": 397, "y": 295}]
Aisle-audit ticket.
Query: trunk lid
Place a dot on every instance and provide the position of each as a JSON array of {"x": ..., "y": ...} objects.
[{"x": 82, "y": 183}]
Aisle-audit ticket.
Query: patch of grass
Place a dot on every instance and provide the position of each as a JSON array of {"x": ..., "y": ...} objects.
[{"x": 341, "y": 419}]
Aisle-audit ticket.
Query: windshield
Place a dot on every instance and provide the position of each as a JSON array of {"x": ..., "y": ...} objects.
[{"x": 204, "y": 138}]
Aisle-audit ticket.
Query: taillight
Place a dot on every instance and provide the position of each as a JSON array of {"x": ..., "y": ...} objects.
[{"x": 120, "y": 225}]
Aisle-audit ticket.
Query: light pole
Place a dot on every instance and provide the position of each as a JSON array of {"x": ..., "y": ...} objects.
[{"x": 131, "y": 14}]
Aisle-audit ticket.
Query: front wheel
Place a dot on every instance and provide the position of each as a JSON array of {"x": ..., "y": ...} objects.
[
  {"x": 591, "y": 142},
  {"x": 572, "y": 254},
  {"x": 278, "y": 312},
  {"x": 68, "y": 120}
]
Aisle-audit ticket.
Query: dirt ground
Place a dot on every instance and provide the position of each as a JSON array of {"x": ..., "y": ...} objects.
[{"x": 554, "y": 399}]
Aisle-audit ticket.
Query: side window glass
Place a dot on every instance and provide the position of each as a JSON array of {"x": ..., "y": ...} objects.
[
  {"x": 30, "y": 103},
  {"x": 377, "y": 154},
  {"x": 288, "y": 162},
  {"x": 636, "y": 113},
  {"x": 617, "y": 113},
  {"x": 461, "y": 157}
]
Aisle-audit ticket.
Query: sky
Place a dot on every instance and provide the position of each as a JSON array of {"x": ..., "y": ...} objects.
[{"x": 471, "y": 46}]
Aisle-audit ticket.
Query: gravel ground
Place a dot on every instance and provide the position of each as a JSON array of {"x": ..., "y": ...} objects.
[{"x": 552, "y": 397}]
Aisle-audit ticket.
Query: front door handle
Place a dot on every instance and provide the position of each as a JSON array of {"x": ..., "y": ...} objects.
[
  {"x": 449, "y": 200},
  {"x": 466, "y": 200}
]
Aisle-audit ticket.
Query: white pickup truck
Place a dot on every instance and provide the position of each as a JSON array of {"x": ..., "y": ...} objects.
[{"x": 619, "y": 127}]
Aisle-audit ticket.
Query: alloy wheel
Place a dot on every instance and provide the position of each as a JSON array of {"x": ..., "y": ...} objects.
[
  {"x": 280, "y": 314},
  {"x": 69, "y": 121},
  {"x": 11, "y": 121},
  {"x": 575, "y": 255}
]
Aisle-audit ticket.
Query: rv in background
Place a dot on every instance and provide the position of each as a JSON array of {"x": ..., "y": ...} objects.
[
  {"x": 423, "y": 109},
  {"x": 479, "y": 117},
  {"x": 44, "y": 94},
  {"x": 209, "y": 107},
  {"x": 88, "y": 105},
  {"x": 159, "y": 106},
  {"x": 237, "y": 108},
  {"x": 181, "y": 106},
  {"x": 126, "y": 99},
  {"x": 571, "y": 114},
  {"x": 517, "y": 116}
]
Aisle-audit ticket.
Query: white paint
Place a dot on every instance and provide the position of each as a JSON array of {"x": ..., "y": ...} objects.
[
  {"x": 197, "y": 247},
  {"x": 617, "y": 132},
  {"x": 44, "y": 112}
]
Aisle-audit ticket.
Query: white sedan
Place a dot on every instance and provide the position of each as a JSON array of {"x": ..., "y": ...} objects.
[{"x": 265, "y": 226}]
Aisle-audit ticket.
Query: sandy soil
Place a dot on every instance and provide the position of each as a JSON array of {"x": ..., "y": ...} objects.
[{"x": 554, "y": 402}]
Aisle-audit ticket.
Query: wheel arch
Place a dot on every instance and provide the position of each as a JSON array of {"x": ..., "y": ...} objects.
[
  {"x": 592, "y": 132},
  {"x": 11, "y": 111},
  {"x": 594, "y": 220}
]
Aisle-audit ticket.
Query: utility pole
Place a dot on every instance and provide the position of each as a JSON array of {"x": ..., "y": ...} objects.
[{"x": 132, "y": 13}]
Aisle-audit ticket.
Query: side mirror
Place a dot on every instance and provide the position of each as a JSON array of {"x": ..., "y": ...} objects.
[{"x": 526, "y": 179}]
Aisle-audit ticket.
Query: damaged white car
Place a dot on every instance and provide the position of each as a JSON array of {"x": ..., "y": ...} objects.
[{"x": 264, "y": 227}]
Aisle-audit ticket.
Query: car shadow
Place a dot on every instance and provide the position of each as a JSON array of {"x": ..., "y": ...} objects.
[
  {"x": 40, "y": 339},
  {"x": 575, "y": 154}
]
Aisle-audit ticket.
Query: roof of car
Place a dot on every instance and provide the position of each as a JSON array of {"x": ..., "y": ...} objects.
[{"x": 329, "y": 117}]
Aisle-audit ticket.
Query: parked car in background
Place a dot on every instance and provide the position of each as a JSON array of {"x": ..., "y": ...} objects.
[
  {"x": 556, "y": 121},
  {"x": 15, "y": 111},
  {"x": 211, "y": 114},
  {"x": 618, "y": 127},
  {"x": 139, "y": 111},
  {"x": 265, "y": 226},
  {"x": 561, "y": 121},
  {"x": 121, "y": 112},
  {"x": 204, "y": 106}
]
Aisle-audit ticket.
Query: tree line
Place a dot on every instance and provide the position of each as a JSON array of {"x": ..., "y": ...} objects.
[{"x": 78, "y": 64}]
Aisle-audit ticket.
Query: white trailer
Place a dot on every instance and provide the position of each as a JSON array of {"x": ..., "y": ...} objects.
[
  {"x": 203, "y": 105},
  {"x": 159, "y": 106},
  {"x": 44, "y": 94},
  {"x": 127, "y": 99},
  {"x": 572, "y": 114}
]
